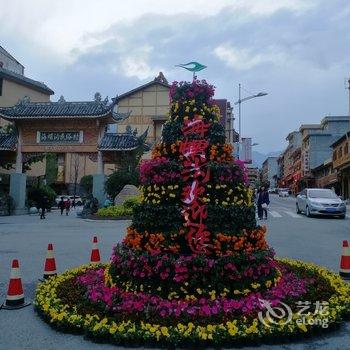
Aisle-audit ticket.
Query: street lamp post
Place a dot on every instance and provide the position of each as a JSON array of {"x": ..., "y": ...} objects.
[{"x": 239, "y": 102}]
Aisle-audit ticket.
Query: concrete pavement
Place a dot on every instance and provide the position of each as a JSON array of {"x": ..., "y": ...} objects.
[{"x": 26, "y": 237}]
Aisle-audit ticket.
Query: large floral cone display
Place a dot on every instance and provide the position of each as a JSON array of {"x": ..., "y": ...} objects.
[{"x": 194, "y": 266}]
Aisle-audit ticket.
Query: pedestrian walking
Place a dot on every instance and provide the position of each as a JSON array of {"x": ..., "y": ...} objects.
[
  {"x": 61, "y": 205},
  {"x": 67, "y": 206},
  {"x": 263, "y": 203},
  {"x": 43, "y": 206}
]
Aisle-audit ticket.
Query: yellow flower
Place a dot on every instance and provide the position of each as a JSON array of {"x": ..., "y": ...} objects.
[{"x": 164, "y": 331}]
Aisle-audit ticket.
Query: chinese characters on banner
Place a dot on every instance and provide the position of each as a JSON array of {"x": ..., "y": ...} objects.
[
  {"x": 59, "y": 136},
  {"x": 195, "y": 174}
]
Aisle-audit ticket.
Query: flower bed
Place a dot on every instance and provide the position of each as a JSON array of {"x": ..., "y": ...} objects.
[
  {"x": 86, "y": 300},
  {"x": 193, "y": 276}
]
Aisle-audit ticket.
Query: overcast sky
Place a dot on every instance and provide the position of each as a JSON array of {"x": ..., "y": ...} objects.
[{"x": 297, "y": 51}]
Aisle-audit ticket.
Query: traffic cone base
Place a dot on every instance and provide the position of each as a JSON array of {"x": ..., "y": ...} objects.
[
  {"x": 7, "y": 305},
  {"x": 345, "y": 275}
]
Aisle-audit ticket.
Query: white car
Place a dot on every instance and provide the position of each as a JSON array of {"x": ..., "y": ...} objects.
[
  {"x": 283, "y": 193},
  {"x": 319, "y": 201},
  {"x": 58, "y": 198}
]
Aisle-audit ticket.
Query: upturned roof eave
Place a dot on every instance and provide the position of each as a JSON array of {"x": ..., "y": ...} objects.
[
  {"x": 117, "y": 149},
  {"x": 10, "y": 118}
]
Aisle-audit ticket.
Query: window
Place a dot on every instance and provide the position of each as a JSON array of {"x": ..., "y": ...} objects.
[
  {"x": 340, "y": 152},
  {"x": 346, "y": 148},
  {"x": 1, "y": 83},
  {"x": 335, "y": 155}
]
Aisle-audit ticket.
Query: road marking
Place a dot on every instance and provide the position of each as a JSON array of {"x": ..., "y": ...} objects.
[
  {"x": 275, "y": 214},
  {"x": 293, "y": 215}
]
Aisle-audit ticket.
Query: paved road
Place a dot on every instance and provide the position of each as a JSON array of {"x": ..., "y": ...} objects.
[{"x": 26, "y": 238}]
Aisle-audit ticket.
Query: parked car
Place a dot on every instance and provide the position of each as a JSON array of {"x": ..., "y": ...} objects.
[
  {"x": 58, "y": 198},
  {"x": 317, "y": 201},
  {"x": 283, "y": 192}
]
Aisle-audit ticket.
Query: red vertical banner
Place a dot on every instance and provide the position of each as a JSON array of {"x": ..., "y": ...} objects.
[{"x": 195, "y": 173}]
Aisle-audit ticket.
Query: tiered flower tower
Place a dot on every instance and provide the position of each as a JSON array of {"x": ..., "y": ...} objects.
[{"x": 194, "y": 266}]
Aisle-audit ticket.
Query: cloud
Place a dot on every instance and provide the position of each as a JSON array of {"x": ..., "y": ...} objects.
[
  {"x": 297, "y": 51},
  {"x": 244, "y": 59}
]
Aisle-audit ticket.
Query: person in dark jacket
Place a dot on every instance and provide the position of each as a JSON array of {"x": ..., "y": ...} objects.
[
  {"x": 43, "y": 205},
  {"x": 61, "y": 205},
  {"x": 263, "y": 202}
]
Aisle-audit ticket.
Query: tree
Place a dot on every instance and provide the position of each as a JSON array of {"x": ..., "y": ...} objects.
[
  {"x": 51, "y": 168},
  {"x": 75, "y": 165},
  {"x": 86, "y": 183},
  {"x": 128, "y": 173}
]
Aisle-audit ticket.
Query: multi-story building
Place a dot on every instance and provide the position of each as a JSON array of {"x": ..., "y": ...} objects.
[
  {"x": 270, "y": 171},
  {"x": 316, "y": 144},
  {"x": 341, "y": 163},
  {"x": 290, "y": 162},
  {"x": 280, "y": 170},
  {"x": 326, "y": 176},
  {"x": 14, "y": 85},
  {"x": 296, "y": 158},
  {"x": 148, "y": 106},
  {"x": 253, "y": 174}
]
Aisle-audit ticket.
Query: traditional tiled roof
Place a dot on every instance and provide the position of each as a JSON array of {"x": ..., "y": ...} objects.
[
  {"x": 61, "y": 109},
  {"x": 22, "y": 80},
  {"x": 8, "y": 142},
  {"x": 122, "y": 141},
  {"x": 118, "y": 142},
  {"x": 160, "y": 80}
]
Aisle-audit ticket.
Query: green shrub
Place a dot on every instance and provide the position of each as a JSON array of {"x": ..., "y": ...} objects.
[
  {"x": 125, "y": 209},
  {"x": 130, "y": 202},
  {"x": 114, "y": 211},
  {"x": 7, "y": 204}
]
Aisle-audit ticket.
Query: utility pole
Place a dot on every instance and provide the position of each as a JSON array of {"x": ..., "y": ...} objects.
[
  {"x": 349, "y": 93},
  {"x": 349, "y": 98},
  {"x": 239, "y": 122},
  {"x": 239, "y": 102}
]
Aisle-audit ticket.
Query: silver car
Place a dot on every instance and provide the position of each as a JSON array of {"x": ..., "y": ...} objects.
[{"x": 317, "y": 201}]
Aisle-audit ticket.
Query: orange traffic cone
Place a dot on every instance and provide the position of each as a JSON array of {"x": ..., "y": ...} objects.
[
  {"x": 50, "y": 263},
  {"x": 345, "y": 261},
  {"x": 15, "y": 296},
  {"x": 95, "y": 253}
]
